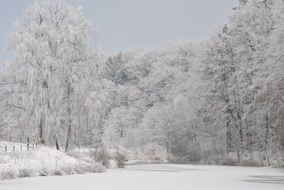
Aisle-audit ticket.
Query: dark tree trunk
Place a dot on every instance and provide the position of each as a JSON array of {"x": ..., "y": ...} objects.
[
  {"x": 57, "y": 144},
  {"x": 69, "y": 117},
  {"x": 41, "y": 129}
]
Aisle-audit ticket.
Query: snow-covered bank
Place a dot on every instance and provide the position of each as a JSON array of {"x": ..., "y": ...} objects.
[
  {"x": 43, "y": 162},
  {"x": 161, "y": 176}
]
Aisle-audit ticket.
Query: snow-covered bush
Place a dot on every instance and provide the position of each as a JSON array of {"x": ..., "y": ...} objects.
[
  {"x": 229, "y": 162},
  {"x": 80, "y": 154},
  {"x": 46, "y": 161},
  {"x": 154, "y": 152},
  {"x": 8, "y": 173},
  {"x": 26, "y": 172},
  {"x": 101, "y": 156},
  {"x": 91, "y": 155},
  {"x": 120, "y": 158},
  {"x": 148, "y": 153},
  {"x": 117, "y": 157},
  {"x": 250, "y": 163}
]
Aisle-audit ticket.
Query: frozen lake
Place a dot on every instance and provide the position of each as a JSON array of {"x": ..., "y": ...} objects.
[{"x": 159, "y": 176}]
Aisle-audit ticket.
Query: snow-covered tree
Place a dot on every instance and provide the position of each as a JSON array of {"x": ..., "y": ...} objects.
[{"x": 52, "y": 57}]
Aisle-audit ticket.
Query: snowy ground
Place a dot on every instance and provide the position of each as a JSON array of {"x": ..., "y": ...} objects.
[{"x": 155, "y": 177}]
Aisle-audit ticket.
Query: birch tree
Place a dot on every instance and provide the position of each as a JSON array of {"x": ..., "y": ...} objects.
[{"x": 50, "y": 42}]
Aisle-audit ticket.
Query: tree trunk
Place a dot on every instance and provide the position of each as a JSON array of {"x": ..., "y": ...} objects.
[
  {"x": 228, "y": 136},
  {"x": 41, "y": 128},
  {"x": 167, "y": 141},
  {"x": 57, "y": 144},
  {"x": 69, "y": 117}
]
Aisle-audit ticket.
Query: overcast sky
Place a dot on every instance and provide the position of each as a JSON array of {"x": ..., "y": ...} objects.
[{"x": 127, "y": 24}]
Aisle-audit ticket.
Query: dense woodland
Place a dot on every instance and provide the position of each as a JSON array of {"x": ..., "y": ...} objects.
[{"x": 217, "y": 101}]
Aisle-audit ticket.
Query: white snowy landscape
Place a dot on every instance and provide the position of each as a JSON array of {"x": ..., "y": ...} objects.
[
  {"x": 160, "y": 176},
  {"x": 206, "y": 112}
]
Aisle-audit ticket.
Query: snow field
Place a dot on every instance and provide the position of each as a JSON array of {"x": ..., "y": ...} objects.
[{"x": 160, "y": 177}]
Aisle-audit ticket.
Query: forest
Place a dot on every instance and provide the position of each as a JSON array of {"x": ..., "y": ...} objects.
[{"x": 217, "y": 101}]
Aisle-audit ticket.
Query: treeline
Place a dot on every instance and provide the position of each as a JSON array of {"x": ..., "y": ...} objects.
[{"x": 218, "y": 101}]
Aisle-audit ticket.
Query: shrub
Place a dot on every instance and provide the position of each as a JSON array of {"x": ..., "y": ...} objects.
[
  {"x": 120, "y": 159},
  {"x": 90, "y": 168},
  {"x": 9, "y": 173},
  {"x": 67, "y": 170},
  {"x": 26, "y": 172},
  {"x": 58, "y": 172},
  {"x": 154, "y": 152},
  {"x": 43, "y": 172},
  {"x": 193, "y": 156},
  {"x": 230, "y": 162},
  {"x": 101, "y": 155},
  {"x": 250, "y": 163},
  {"x": 45, "y": 161}
]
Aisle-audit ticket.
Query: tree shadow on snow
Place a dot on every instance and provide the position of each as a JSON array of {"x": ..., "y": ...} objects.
[
  {"x": 266, "y": 179},
  {"x": 158, "y": 168}
]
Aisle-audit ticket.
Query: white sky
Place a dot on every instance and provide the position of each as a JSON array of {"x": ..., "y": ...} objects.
[{"x": 128, "y": 24}]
